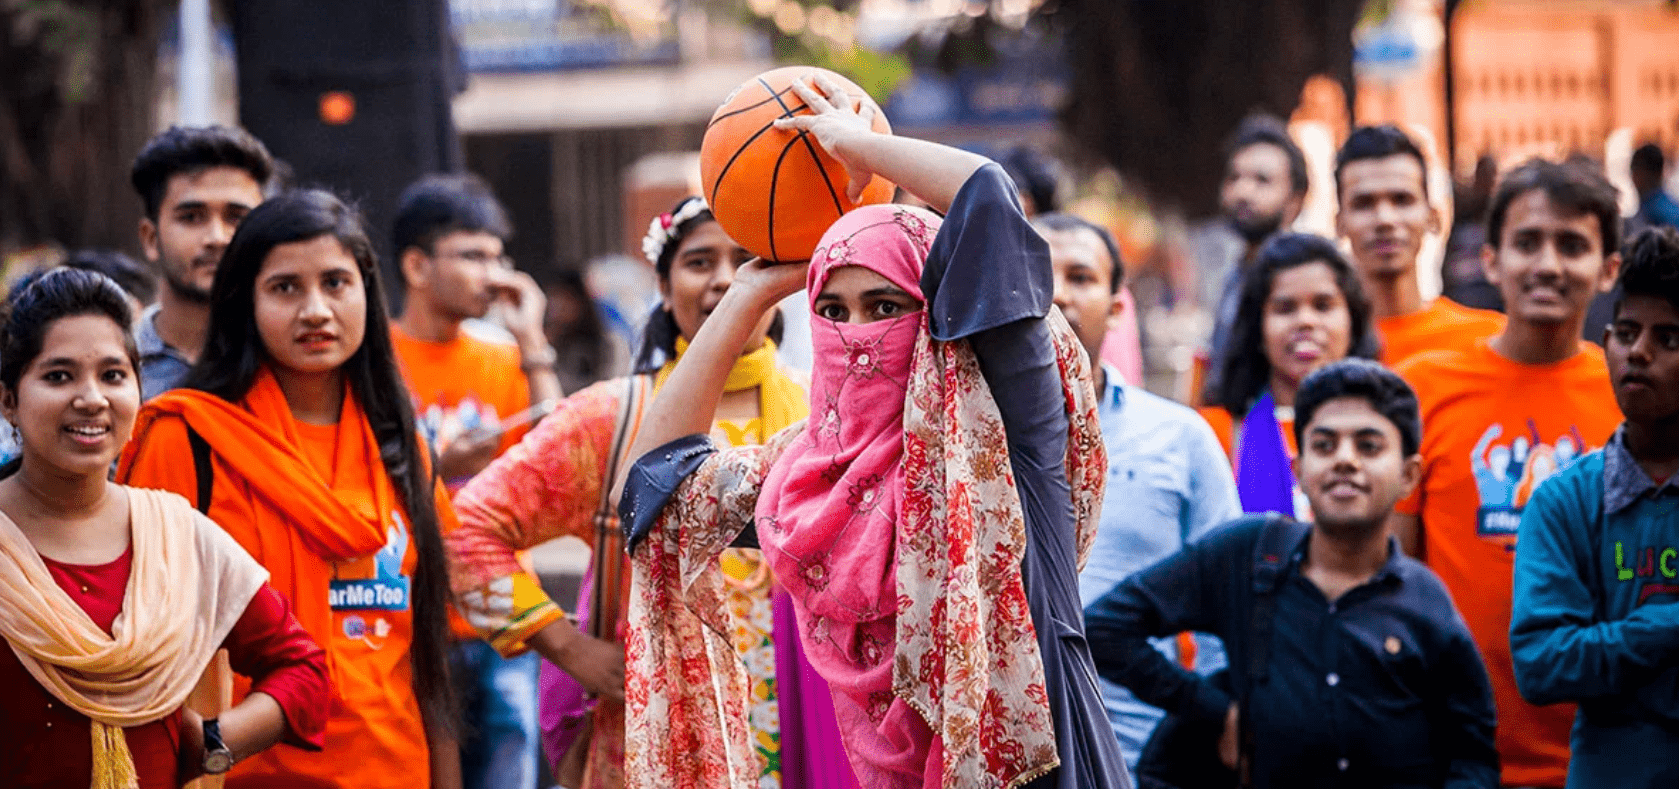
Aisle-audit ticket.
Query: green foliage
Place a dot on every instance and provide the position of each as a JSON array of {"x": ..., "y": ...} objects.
[
  {"x": 878, "y": 73},
  {"x": 66, "y": 33},
  {"x": 821, "y": 33}
]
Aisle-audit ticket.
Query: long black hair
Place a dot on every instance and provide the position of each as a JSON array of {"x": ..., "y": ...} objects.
[
  {"x": 1247, "y": 371},
  {"x": 234, "y": 354},
  {"x": 44, "y": 298},
  {"x": 658, "y": 336}
]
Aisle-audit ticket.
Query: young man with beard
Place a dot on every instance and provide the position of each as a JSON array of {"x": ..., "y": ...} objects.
[
  {"x": 1384, "y": 213},
  {"x": 1168, "y": 480},
  {"x": 1596, "y": 612},
  {"x": 1350, "y": 665},
  {"x": 1263, "y": 190},
  {"x": 1510, "y": 411},
  {"x": 197, "y": 184},
  {"x": 449, "y": 233}
]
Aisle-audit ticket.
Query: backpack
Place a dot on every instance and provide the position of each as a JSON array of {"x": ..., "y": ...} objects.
[
  {"x": 202, "y": 469},
  {"x": 1183, "y": 754}
]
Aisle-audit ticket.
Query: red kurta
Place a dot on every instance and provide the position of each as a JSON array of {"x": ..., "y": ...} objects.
[{"x": 44, "y": 743}]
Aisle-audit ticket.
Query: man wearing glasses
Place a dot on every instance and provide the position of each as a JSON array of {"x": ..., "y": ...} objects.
[{"x": 472, "y": 399}]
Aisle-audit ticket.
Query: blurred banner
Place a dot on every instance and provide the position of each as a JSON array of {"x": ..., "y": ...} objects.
[
  {"x": 554, "y": 35},
  {"x": 352, "y": 96}
]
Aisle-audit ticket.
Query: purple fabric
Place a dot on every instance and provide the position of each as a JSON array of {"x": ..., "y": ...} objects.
[
  {"x": 1264, "y": 480},
  {"x": 562, "y": 703},
  {"x": 812, "y": 756}
]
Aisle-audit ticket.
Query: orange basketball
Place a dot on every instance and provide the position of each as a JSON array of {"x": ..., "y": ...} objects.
[{"x": 775, "y": 191}]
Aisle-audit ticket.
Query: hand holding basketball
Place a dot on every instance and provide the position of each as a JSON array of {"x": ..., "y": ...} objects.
[
  {"x": 776, "y": 188},
  {"x": 837, "y": 117}
]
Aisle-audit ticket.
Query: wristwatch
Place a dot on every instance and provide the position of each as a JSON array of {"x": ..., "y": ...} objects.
[{"x": 217, "y": 758}]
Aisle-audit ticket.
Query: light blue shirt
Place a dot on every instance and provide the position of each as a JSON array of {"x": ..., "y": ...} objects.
[{"x": 1169, "y": 484}]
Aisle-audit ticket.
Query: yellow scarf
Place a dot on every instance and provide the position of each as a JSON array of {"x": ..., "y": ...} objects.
[
  {"x": 781, "y": 400},
  {"x": 188, "y": 584}
]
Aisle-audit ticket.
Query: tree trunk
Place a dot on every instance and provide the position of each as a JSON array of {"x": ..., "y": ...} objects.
[
  {"x": 1158, "y": 85},
  {"x": 76, "y": 103}
]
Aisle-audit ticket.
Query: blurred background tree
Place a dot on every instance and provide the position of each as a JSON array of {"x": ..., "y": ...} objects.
[
  {"x": 1158, "y": 84},
  {"x": 77, "y": 100}
]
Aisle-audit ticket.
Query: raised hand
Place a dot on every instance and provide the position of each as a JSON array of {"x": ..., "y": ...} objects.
[
  {"x": 768, "y": 283},
  {"x": 526, "y": 303},
  {"x": 836, "y": 119},
  {"x": 842, "y": 125}
]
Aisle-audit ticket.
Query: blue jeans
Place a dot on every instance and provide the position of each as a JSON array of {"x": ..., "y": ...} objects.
[{"x": 501, "y": 736}]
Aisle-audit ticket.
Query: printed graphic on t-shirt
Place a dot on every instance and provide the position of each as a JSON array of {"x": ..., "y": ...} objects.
[
  {"x": 442, "y": 425},
  {"x": 11, "y": 444},
  {"x": 387, "y": 590},
  {"x": 1654, "y": 567},
  {"x": 1507, "y": 473}
]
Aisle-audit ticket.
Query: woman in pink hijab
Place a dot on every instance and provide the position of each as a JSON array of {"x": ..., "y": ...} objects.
[{"x": 927, "y": 520}]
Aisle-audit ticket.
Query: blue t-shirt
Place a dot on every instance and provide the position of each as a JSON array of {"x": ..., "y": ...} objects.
[{"x": 161, "y": 366}]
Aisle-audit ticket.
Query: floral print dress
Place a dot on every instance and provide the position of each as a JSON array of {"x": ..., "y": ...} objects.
[
  {"x": 989, "y": 645},
  {"x": 750, "y": 605}
]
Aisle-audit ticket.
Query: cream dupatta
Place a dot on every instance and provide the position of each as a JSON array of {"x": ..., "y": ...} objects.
[{"x": 189, "y": 584}]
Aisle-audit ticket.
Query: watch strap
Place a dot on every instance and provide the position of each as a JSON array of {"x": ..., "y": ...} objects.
[{"x": 217, "y": 758}]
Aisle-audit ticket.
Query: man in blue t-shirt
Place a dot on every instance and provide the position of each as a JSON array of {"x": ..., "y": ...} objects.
[
  {"x": 196, "y": 184},
  {"x": 1655, "y": 207},
  {"x": 1596, "y": 599}
]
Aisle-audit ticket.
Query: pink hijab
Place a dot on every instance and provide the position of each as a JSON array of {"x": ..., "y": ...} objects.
[{"x": 828, "y": 514}]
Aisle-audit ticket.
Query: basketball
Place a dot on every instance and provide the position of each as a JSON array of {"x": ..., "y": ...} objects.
[{"x": 776, "y": 191}]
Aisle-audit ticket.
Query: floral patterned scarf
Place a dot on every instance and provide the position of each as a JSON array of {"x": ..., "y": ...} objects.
[
  {"x": 963, "y": 651},
  {"x": 828, "y": 516}
]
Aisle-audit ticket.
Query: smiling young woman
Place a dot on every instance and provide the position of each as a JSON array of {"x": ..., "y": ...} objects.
[
  {"x": 1301, "y": 308},
  {"x": 114, "y": 600},
  {"x": 315, "y": 466}
]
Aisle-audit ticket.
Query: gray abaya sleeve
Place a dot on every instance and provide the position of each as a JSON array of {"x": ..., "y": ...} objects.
[{"x": 988, "y": 279}]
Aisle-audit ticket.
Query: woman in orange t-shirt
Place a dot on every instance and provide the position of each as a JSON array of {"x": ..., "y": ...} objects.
[
  {"x": 294, "y": 433},
  {"x": 1301, "y": 308}
]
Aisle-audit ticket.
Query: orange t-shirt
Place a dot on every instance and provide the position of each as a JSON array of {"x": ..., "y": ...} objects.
[
  {"x": 457, "y": 386},
  {"x": 1223, "y": 424},
  {"x": 462, "y": 384},
  {"x": 375, "y": 736},
  {"x": 1493, "y": 430},
  {"x": 1443, "y": 325}
]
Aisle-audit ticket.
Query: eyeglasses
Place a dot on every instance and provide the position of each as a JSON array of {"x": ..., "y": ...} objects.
[{"x": 478, "y": 256}]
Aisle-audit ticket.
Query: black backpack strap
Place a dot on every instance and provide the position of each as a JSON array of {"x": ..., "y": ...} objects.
[
  {"x": 201, "y": 467},
  {"x": 1271, "y": 554}
]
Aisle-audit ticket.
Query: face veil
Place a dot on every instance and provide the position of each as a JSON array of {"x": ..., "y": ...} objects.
[{"x": 828, "y": 516}]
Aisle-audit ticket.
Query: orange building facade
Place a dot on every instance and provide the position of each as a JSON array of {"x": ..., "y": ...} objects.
[
  {"x": 1541, "y": 77},
  {"x": 1552, "y": 78}
]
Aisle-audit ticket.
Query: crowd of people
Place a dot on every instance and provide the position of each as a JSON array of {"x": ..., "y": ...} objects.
[{"x": 259, "y": 528}]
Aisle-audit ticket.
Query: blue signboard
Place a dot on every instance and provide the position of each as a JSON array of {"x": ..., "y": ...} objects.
[
  {"x": 1025, "y": 84},
  {"x": 545, "y": 35}
]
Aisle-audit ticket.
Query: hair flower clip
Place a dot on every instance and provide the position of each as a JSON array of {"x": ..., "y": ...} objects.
[{"x": 663, "y": 227}]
